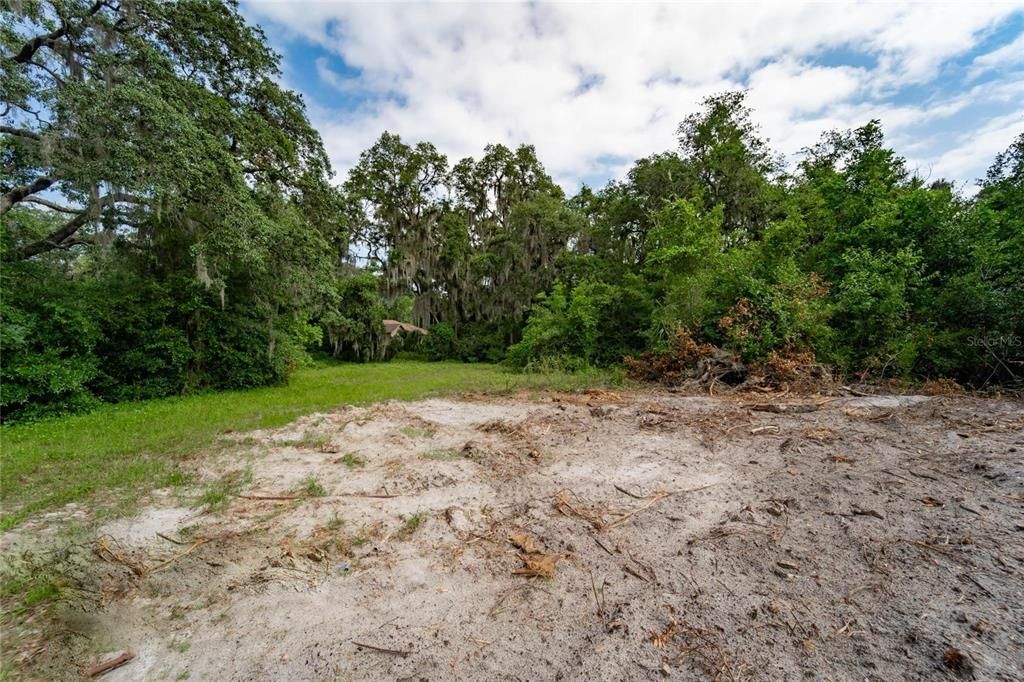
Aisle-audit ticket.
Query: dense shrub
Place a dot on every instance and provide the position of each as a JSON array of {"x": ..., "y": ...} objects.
[{"x": 48, "y": 336}]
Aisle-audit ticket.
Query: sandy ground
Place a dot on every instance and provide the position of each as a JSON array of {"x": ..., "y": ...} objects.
[{"x": 598, "y": 536}]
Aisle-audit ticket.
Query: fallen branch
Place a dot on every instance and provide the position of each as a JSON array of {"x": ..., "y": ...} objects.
[{"x": 117, "y": 662}]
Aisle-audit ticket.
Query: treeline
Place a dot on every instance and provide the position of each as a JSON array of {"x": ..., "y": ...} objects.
[{"x": 170, "y": 224}]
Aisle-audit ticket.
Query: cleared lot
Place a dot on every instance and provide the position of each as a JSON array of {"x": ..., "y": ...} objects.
[{"x": 599, "y": 535}]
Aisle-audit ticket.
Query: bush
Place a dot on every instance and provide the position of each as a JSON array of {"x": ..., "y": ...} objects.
[
  {"x": 441, "y": 343},
  {"x": 48, "y": 336}
]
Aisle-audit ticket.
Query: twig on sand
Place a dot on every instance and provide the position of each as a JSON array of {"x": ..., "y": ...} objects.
[
  {"x": 272, "y": 497},
  {"x": 174, "y": 558},
  {"x": 626, "y": 492},
  {"x": 385, "y": 496},
  {"x": 117, "y": 662},
  {"x": 169, "y": 539},
  {"x": 395, "y": 652},
  {"x": 658, "y": 497},
  {"x": 279, "y": 498},
  {"x": 598, "y": 597},
  {"x": 602, "y": 545},
  {"x": 783, "y": 409}
]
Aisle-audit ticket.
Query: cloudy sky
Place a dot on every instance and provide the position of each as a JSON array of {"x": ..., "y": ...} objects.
[{"x": 595, "y": 86}]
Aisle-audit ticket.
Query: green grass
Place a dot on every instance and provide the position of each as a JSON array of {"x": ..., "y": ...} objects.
[
  {"x": 416, "y": 432},
  {"x": 410, "y": 526},
  {"x": 353, "y": 461},
  {"x": 218, "y": 494},
  {"x": 114, "y": 454},
  {"x": 309, "y": 441},
  {"x": 312, "y": 487}
]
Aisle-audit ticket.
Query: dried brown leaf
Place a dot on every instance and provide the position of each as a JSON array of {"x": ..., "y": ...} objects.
[
  {"x": 525, "y": 543},
  {"x": 538, "y": 565}
]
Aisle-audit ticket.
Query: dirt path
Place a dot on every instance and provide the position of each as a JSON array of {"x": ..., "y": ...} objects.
[{"x": 871, "y": 538}]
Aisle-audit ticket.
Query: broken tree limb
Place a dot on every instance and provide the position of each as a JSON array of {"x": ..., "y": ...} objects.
[{"x": 117, "y": 662}]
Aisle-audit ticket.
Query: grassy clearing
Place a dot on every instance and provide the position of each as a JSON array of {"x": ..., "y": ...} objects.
[{"x": 115, "y": 453}]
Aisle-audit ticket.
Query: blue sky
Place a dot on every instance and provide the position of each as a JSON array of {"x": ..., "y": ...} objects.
[{"x": 596, "y": 86}]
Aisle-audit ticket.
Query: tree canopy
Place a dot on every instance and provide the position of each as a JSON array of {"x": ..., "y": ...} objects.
[{"x": 170, "y": 224}]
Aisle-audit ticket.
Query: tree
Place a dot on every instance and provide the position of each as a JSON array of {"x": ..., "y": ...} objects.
[
  {"x": 398, "y": 187},
  {"x": 126, "y": 116},
  {"x": 732, "y": 163},
  {"x": 167, "y": 192},
  {"x": 518, "y": 225}
]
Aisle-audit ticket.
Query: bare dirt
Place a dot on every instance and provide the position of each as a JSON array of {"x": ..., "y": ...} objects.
[{"x": 597, "y": 536}]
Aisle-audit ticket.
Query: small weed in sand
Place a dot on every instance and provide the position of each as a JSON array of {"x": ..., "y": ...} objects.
[
  {"x": 410, "y": 526},
  {"x": 352, "y": 460},
  {"x": 312, "y": 487},
  {"x": 442, "y": 455},
  {"x": 182, "y": 646},
  {"x": 336, "y": 523},
  {"x": 310, "y": 441},
  {"x": 416, "y": 432},
  {"x": 218, "y": 494}
]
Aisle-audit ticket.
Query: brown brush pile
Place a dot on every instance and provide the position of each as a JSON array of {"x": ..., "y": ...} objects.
[
  {"x": 687, "y": 361},
  {"x": 703, "y": 365}
]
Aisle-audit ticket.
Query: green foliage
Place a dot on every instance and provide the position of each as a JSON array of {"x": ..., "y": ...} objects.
[
  {"x": 442, "y": 344},
  {"x": 218, "y": 494},
  {"x": 353, "y": 322},
  {"x": 853, "y": 259},
  {"x": 410, "y": 526},
  {"x": 593, "y": 323},
  {"x": 733, "y": 166},
  {"x": 198, "y": 242},
  {"x": 785, "y": 311},
  {"x": 189, "y": 224},
  {"x": 48, "y": 335}
]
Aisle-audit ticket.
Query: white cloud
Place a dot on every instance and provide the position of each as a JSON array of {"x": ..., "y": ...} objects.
[
  {"x": 976, "y": 149},
  {"x": 1011, "y": 54},
  {"x": 594, "y": 85}
]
